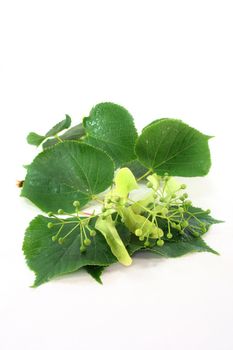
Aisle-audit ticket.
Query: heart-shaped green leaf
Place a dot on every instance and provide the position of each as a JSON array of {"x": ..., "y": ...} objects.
[
  {"x": 110, "y": 127},
  {"x": 173, "y": 249},
  {"x": 70, "y": 171},
  {"x": 169, "y": 145},
  {"x": 49, "y": 259}
]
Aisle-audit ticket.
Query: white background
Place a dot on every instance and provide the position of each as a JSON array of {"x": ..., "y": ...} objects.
[{"x": 158, "y": 59}]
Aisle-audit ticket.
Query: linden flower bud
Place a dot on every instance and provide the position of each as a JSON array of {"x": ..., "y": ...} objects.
[
  {"x": 92, "y": 233},
  {"x": 54, "y": 238},
  {"x": 85, "y": 222},
  {"x": 61, "y": 240},
  {"x": 166, "y": 174},
  {"x": 50, "y": 214},
  {"x": 117, "y": 199},
  {"x": 208, "y": 211},
  {"x": 159, "y": 232},
  {"x": 149, "y": 185},
  {"x": 87, "y": 242},
  {"x": 196, "y": 234},
  {"x": 185, "y": 195},
  {"x": 173, "y": 195},
  {"x": 164, "y": 211},
  {"x": 83, "y": 249},
  {"x": 188, "y": 203},
  {"x": 184, "y": 224},
  {"x": 160, "y": 242},
  {"x": 50, "y": 225},
  {"x": 183, "y": 187},
  {"x": 138, "y": 232},
  {"x": 169, "y": 236},
  {"x": 76, "y": 204},
  {"x": 203, "y": 227},
  {"x": 60, "y": 211},
  {"x": 141, "y": 238},
  {"x": 181, "y": 210},
  {"x": 153, "y": 235},
  {"x": 147, "y": 244}
]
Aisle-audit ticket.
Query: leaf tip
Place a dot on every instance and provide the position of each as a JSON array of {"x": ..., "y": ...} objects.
[
  {"x": 35, "y": 139},
  {"x": 68, "y": 121}
]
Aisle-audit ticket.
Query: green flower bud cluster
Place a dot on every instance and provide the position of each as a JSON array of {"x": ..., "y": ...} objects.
[
  {"x": 76, "y": 222},
  {"x": 171, "y": 204},
  {"x": 166, "y": 201}
]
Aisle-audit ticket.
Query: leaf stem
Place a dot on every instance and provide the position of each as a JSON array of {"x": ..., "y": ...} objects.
[
  {"x": 58, "y": 138},
  {"x": 95, "y": 198},
  {"x": 143, "y": 176}
]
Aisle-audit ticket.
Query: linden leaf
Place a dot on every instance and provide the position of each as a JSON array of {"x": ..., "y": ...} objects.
[
  {"x": 95, "y": 272},
  {"x": 172, "y": 249},
  {"x": 110, "y": 127},
  {"x": 202, "y": 216},
  {"x": 70, "y": 171},
  {"x": 176, "y": 249},
  {"x": 49, "y": 259},
  {"x": 169, "y": 145}
]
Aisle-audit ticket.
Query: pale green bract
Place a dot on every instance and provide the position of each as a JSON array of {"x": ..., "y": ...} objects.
[
  {"x": 107, "y": 227},
  {"x": 154, "y": 180},
  {"x": 125, "y": 182},
  {"x": 172, "y": 186}
]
